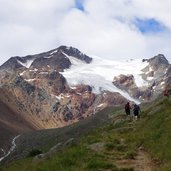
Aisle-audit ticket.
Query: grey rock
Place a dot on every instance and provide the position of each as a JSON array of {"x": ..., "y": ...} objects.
[
  {"x": 68, "y": 142},
  {"x": 75, "y": 53},
  {"x": 20, "y": 82},
  {"x": 97, "y": 146}
]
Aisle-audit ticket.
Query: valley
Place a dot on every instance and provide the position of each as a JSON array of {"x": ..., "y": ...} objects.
[{"x": 61, "y": 95}]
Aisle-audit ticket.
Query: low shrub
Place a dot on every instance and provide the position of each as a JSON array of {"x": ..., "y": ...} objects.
[{"x": 34, "y": 152}]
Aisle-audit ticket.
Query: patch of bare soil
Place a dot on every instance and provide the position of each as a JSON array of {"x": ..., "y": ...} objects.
[{"x": 142, "y": 162}]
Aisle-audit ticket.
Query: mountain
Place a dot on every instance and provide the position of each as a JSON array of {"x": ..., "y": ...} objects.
[
  {"x": 36, "y": 95},
  {"x": 55, "y": 59},
  {"x": 156, "y": 76},
  {"x": 62, "y": 86},
  {"x": 102, "y": 143}
]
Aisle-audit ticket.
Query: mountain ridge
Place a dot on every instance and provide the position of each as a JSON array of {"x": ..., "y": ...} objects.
[
  {"x": 63, "y": 86},
  {"x": 18, "y": 62}
]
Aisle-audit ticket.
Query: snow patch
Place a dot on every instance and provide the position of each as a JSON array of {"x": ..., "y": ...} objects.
[
  {"x": 73, "y": 88},
  {"x": 162, "y": 83},
  {"x": 27, "y": 64},
  {"x": 48, "y": 56},
  {"x": 30, "y": 80},
  {"x": 154, "y": 87},
  {"x": 74, "y": 61},
  {"x": 100, "y": 105},
  {"x": 33, "y": 70},
  {"x": 166, "y": 71},
  {"x": 61, "y": 96},
  {"x": 22, "y": 73},
  {"x": 150, "y": 78},
  {"x": 150, "y": 69},
  {"x": 55, "y": 51}
]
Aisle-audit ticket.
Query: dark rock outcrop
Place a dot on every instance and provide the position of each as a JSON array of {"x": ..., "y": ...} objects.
[
  {"x": 12, "y": 64},
  {"x": 57, "y": 61},
  {"x": 124, "y": 81},
  {"x": 70, "y": 51}
]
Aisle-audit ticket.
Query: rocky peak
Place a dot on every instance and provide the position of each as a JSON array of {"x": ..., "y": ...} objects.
[
  {"x": 157, "y": 61},
  {"x": 56, "y": 59},
  {"x": 12, "y": 64},
  {"x": 124, "y": 81},
  {"x": 156, "y": 76},
  {"x": 70, "y": 51},
  {"x": 157, "y": 67}
]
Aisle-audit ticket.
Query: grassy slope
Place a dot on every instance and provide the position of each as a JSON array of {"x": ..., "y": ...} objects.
[
  {"x": 120, "y": 140},
  {"x": 155, "y": 132}
]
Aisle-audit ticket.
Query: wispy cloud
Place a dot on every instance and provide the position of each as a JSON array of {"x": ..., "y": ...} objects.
[{"x": 119, "y": 29}]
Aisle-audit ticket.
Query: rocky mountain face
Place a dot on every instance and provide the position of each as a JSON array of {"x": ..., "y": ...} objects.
[
  {"x": 52, "y": 60},
  {"x": 34, "y": 87},
  {"x": 157, "y": 75},
  {"x": 38, "y": 96}
]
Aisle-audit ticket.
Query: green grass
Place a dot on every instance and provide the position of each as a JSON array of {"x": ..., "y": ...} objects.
[
  {"x": 152, "y": 131},
  {"x": 74, "y": 158}
]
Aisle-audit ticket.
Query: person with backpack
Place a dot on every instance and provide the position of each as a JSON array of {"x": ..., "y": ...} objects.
[
  {"x": 127, "y": 109},
  {"x": 136, "y": 111}
]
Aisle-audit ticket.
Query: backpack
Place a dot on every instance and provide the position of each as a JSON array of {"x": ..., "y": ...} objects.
[
  {"x": 136, "y": 108},
  {"x": 127, "y": 106}
]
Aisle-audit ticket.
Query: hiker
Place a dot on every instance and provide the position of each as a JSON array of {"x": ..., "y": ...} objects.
[
  {"x": 166, "y": 93},
  {"x": 127, "y": 109},
  {"x": 136, "y": 111}
]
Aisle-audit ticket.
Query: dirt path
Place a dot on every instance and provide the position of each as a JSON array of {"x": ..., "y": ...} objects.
[{"x": 142, "y": 162}]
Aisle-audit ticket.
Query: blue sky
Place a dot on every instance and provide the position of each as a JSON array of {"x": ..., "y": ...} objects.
[
  {"x": 79, "y": 4},
  {"x": 149, "y": 25},
  {"x": 92, "y": 26}
]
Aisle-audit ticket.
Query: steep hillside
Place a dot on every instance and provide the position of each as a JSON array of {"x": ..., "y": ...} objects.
[
  {"x": 38, "y": 95},
  {"x": 11, "y": 124},
  {"x": 124, "y": 144},
  {"x": 42, "y": 95}
]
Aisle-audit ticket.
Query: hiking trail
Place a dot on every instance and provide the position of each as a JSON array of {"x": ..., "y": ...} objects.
[{"x": 142, "y": 160}]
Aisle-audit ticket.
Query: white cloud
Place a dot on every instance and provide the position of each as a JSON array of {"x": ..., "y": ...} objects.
[{"x": 105, "y": 28}]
